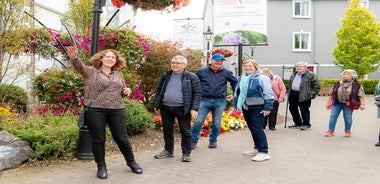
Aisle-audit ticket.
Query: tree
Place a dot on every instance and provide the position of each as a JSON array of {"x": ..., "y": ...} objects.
[
  {"x": 158, "y": 61},
  {"x": 79, "y": 17},
  {"x": 358, "y": 45},
  {"x": 11, "y": 19}
]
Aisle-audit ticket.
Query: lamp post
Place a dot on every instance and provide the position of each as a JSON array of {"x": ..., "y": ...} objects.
[
  {"x": 208, "y": 36},
  {"x": 85, "y": 141}
]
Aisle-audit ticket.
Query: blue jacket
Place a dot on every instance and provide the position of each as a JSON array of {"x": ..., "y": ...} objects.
[
  {"x": 191, "y": 91},
  {"x": 214, "y": 85},
  {"x": 259, "y": 85}
]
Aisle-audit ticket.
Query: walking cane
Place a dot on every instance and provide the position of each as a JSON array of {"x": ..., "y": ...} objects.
[{"x": 286, "y": 110}]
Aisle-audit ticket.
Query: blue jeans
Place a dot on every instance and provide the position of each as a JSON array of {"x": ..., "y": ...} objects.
[
  {"x": 217, "y": 107},
  {"x": 347, "y": 115},
  {"x": 254, "y": 120}
]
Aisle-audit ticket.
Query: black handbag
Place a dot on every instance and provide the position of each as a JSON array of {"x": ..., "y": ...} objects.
[
  {"x": 255, "y": 101},
  {"x": 81, "y": 122}
]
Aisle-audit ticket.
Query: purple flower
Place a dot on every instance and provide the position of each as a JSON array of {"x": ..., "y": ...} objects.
[{"x": 233, "y": 38}]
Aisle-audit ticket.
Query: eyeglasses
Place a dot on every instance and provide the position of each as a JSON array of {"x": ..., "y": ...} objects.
[{"x": 176, "y": 63}]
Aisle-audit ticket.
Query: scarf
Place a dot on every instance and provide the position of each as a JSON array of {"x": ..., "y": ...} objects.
[
  {"x": 243, "y": 87},
  {"x": 345, "y": 86}
]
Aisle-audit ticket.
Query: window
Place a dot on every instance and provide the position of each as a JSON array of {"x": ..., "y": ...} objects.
[
  {"x": 364, "y": 3},
  {"x": 301, "y": 41},
  {"x": 301, "y": 8}
]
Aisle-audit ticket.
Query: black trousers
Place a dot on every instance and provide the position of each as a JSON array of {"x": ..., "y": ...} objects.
[
  {"x": 169, "y": 114},
  {"x": 96, "y": 120},
  {"x": 299, "y": 110},
  {"x": 271, "y": 119}
]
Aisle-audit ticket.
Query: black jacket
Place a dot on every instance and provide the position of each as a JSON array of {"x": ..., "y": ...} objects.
[
  {"x": 309, "y": 86},
  {"x": 191, "y": 90}
]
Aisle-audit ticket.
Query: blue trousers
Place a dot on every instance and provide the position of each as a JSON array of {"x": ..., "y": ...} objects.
[{"x": 254, "y": 120}]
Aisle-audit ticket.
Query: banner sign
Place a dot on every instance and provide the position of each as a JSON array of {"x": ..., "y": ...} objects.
[
  {"x": 189, "y": 32},
  {"x": 240, "y": 21}
]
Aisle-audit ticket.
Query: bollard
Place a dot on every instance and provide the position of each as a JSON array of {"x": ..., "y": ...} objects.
[{"x": 85, "y": 145}]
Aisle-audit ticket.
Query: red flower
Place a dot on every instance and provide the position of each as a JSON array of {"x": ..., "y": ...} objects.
[
  {"x": 118, "y": 3},
  {"x": 235, "y": 113},
  {"x": 204, "y": 133},
  {"x": 157, "y": 119},
  {"x": 225, "y": 52}
]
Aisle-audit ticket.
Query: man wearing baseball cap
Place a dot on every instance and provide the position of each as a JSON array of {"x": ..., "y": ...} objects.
[{"x": 213, "y": 78}]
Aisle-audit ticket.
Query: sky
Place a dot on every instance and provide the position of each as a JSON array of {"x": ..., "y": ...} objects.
[
  {"x": 158, "y": 25},
  {"x": 146, "y": 22}
]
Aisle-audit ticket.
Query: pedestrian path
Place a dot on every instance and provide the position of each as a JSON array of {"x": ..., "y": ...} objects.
[{"x": 297, "y": 157}]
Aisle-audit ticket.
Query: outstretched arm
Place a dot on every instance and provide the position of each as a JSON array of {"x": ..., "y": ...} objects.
[{"x": 72, "y": 52}]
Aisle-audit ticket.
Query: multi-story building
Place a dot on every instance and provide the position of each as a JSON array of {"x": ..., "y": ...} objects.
[{"x": 301, "y": 30}]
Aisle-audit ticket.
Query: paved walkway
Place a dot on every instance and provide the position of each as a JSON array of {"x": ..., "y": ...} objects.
[{"x": 297, "y": 157}]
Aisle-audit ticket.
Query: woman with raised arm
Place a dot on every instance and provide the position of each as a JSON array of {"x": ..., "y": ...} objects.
[{"x": 104, "y": 89}]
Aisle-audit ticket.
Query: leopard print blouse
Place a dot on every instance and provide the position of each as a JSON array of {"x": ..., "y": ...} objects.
[{"x": 96, "y": 81}]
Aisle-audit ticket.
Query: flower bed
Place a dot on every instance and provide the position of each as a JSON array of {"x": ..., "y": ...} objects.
[{"x": 231, "y": 120}]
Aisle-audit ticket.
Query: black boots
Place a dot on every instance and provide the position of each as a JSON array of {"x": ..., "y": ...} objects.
[
  {"x": 102, "y": 170},
  {"x": 135, "y": 167}
]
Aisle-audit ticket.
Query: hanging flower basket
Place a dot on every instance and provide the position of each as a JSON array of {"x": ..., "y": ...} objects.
[
  {"x": 227, "y": 53},
  {"x": 145, "y": 5}
]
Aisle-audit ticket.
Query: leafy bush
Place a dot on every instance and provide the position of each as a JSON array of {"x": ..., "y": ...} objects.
[
  {"x": 50, "y": 136},
  {"x": 131, "y": 44},
  {"x": 138, "y": 117},
  {"x": 14, "y": 97},
  {"x": 287, "y": 83},
  {"x": 328, "y": 82},
  {"x": 62, "y": 88},
  {"x": 368, "y": 85}
]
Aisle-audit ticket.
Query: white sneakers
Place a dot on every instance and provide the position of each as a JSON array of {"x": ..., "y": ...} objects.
[
  {"x": 258, "y": 157},
  {"x": 253, "y": 152},
  {"x": 261, "y": 157}
]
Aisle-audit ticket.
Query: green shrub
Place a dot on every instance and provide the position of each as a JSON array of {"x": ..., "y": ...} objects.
[
  {"x": 14, "y": 97},
  {"x": 368, "y": 85},
  {"x": 63, "y": 87},
  {"x": 50, "y": 137},
  {"x": 138, "y": 117},
  {"x": 328, "y": 82},
  {"x": 287, "y": 83}
]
